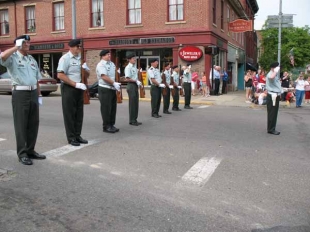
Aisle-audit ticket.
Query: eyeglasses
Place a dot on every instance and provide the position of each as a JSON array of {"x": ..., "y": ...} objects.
[{"x": 79, "y": 46}]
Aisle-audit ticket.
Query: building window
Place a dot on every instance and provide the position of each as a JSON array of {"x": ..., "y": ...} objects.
[
  {"x": 228, "y": 18},
  {"x": 222, "y": 15},
  {"x": 214, "y": 11},
  {"x": 134, "y": 11},
  {"x": 4, "y": 22},
  {"x": 176, "y": 10},
  {"x": 30, "y": 19},
  {"x": 59, "y": 16},
  {"x": 97, "y": 13}
]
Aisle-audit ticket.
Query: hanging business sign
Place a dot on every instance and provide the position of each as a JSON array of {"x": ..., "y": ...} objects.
[
  {"x": 190, "y": 53},
  {"x": 240, "y": 25}
]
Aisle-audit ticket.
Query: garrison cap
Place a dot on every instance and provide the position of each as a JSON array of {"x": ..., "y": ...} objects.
[
  {"x": 153, "y": 60},
  {"x": 74, "y": 42},
  {"x": 130, "y": 55},
  {"x": 175, "y": 66},
  {"x": 167, "y": 64},
  {"x": 25, "y": 37},
  {"x": 188, "y": 65},
  {"x": 104, "y": 52},
  {"x": 274, "y": 65}
]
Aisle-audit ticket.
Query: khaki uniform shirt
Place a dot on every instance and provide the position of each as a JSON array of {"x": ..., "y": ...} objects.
[
  {"x": 23, "y": 70},
  {"x": 168, "y": 76},
  {"x": 107, "y": 68},
  {"x": 70, "y": 65},
  {"x": 154, "y": 73},
  {"x": 274, "y": 84},
  {"x": 175, "y": 77},
  {"x": 131, "y": 72}
]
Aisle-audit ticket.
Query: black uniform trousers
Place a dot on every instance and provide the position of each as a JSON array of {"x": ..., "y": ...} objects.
[
  {"x": 176, "y": 98},
  {"x": 188, "y": 93},
  {"x": 155, "y": 99},
  {"x": 224, "y": 90},
  {"x": 133, "y": 95},
  {"x": 26, "y": 120},
  {"x": 73, "y": 110},
  {"x": 272, "y": 113},
  {"x": 166, "y": 100},
  {"x": 108, "y": 104},
  {"x": 217, "y": 86}
]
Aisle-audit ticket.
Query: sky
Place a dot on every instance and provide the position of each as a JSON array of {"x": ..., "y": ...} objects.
[{"x": 271, "y": 7}]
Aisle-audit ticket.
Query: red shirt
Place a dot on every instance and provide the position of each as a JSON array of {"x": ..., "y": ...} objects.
[{"x": 261, "y": 79}]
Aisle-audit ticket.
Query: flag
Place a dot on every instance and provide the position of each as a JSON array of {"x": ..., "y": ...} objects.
[{"x": 291, "y": 56}]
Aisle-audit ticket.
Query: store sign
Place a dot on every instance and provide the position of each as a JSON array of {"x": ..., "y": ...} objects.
[
  {"x": 190, "y": 53},
  {"x": 155, "y": 40},
  {"x": 47, "y": 46},
  {"x": 240, "y": 25}
]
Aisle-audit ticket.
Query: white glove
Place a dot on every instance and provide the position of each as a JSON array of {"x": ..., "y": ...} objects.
[
  {"x": 117, "y": 85},
  {"x": 274, "y": 97},
  {"x": 162, "y": 85},
  {"x": 84, "y": 66},
  {"x": 19, "y": 42},
  {"x": 170, "y": 86},
  {"x": 80, "y": 86},
  {"x": 40, "y": 100},
  {"x": 179, "y": 87},
  {"x": 276, "y": 69},
  {"x": 138, "y": 83}
]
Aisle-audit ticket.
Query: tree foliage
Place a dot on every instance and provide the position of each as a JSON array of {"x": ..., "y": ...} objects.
[{"x": 296, "y": 38}]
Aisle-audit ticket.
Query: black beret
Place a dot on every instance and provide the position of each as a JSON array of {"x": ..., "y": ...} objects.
[
  {"x": 104, "y": 52},
  {"x": 25, "y": 37},
  {"x": 274, "y": 65},
  {"x": 175, "y": 66},
  {"x": 130, "y": 55},
  {"x": 188, "y": 64},
  {"x": 74, "y": 42},
  {"x": 153, "y": 60},
  {"x": 167, "y": 64}
]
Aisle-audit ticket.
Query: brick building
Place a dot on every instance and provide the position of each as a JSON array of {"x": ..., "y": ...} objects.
[{"x": 149, "y": 28}]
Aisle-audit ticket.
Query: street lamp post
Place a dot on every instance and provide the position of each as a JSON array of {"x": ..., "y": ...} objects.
[
  {"x": 280, "y": 31},
  {"x": 73, "y": 19}
]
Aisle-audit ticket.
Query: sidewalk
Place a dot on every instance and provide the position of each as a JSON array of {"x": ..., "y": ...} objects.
[{"x": 236, "y": 98}]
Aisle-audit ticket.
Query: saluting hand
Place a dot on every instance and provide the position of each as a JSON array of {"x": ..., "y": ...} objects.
[{"x": 19, "y": 43}]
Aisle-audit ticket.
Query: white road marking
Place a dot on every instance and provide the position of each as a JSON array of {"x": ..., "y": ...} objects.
[
  {"x": 201, "y": 107},
  {"x": 68, "y": 148},
  {"x": 201, "y": 172},
  {"x": 2, "y": 139}
]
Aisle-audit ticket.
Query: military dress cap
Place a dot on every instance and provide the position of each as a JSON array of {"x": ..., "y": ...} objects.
[
  {"x": 167, "y": 64},
  {"x": 130, "y": 55},
  {"x": 25, "y": 37},
  {"x": 175, "y": 66},
  {"x": 188, "y": 65},
  {"x": 104, "y": 52},
  {"x": 153, "y": 60},
  {"x": 274, "y": 65},
  {"x": 74, "y": 42}
]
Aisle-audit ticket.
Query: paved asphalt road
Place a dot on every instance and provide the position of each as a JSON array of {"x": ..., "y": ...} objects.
[{"x": 213, "y": 168}]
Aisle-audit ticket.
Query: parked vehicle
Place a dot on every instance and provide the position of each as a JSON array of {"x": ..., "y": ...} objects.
[{"x": 47, "y": 84}]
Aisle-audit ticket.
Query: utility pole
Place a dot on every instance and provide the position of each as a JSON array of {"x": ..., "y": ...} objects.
[
  {"x": 280, "y": 31},
  {"x": 73, "y": 19}
]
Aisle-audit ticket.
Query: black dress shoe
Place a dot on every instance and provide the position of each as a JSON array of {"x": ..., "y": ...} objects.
[
  {"x": 179, "y": 109},
  {"x": 74, "y": 142},
  {"x": 81, "y": 140},
  {"x": 174, "y": 109},
  {"x": 188, "y": 107},
  {"x": 167, "y": 112},
  {"x": 274, "y": 132},
  {"x": 134, "y": 124},
  {"x": 159, "y": 115},
  {"x": 114, "y": 128},
  {"x": 25, "y": 160},
  {"x": 155, "y": 115},
  {"x": 36, "y": 155},
  {"x": 108, "y": 129}
]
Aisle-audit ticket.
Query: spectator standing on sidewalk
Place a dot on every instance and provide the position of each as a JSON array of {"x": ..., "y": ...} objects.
[
  {"x": 195, "y": 77},
  {"x": 285, "y": 84},
  {"x": 225, "y": 80},
  {"x": 300, "y": 89},
  {"x": 307, "y": 92},
  {"x": 217, "y": 77},
  {"x": 248, "y": 86},
  {"x": 273, "y": 86},
  {"x": 205, "y": 87}
]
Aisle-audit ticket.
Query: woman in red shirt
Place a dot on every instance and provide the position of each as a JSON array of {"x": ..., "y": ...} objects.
[{"x": 262, "y": 78}]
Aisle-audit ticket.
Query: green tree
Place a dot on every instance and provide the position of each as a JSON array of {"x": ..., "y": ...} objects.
[{"x": 295, "y": 37}]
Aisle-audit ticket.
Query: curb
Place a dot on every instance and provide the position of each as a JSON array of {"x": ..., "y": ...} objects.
[{"x": 171, "y": 101}]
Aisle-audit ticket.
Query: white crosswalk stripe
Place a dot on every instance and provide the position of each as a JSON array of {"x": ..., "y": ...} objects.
[
  {"x": 2, "y": 139},
  {"x": 202, "y": 107}
]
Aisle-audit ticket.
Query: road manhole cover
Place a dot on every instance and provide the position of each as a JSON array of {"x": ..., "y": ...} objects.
[{"x": 6, "y": 175}]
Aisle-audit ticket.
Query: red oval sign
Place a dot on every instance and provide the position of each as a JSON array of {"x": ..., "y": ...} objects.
[{"x": 190, "y": 53}]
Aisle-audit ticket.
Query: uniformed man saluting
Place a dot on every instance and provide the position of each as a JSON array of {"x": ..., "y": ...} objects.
[
  {"x": 26, "y": 96},
  {"x": 187, "y": 78},
  {"x": 131, "y": 75},
  {"x": 156, "y": 86},
  {"x": 107, "y": 91},
  {"x": 72, "y": 90}
]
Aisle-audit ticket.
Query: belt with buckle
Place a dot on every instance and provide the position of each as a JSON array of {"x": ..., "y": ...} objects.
[
  {"x": 107, "y": 87},
  {"x": 24, "y": 87}
]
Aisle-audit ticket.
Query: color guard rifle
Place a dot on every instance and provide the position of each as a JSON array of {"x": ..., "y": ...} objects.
[
  {"x": 172, "y": 83},
  {"x": 84, "y": 77},
  {"x": 142, "y": 90},
  {"x": 163, "y": 77},
  {"x": 180, "y": 82},
  {"x": 119, "y": 94}
]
